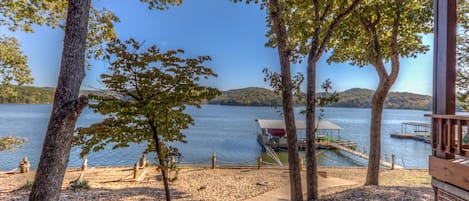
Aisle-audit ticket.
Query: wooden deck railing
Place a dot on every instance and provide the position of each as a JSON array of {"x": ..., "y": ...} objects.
[
  {"x": 449, "y": 162},
  {"x": 450, "y": 136}
]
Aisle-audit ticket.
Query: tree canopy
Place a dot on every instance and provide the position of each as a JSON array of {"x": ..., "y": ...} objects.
[
  {"x": 13, "y": 66},
  {"x": 371, "y": 32},
  {"x": 151, "y": 92},
  {"x": 380, "y": 33},
  {"x": 149, "y": 86}
]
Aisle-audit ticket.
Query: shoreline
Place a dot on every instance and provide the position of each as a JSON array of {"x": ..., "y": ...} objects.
[
  {"x": 226, "y": 167},
  {"x": 204, "y": 183}
]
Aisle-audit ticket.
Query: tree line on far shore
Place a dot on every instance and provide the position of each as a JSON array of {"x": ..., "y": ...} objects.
[
  {"x": 356, "y": 98},
  {"x": 251, "y": 96}
]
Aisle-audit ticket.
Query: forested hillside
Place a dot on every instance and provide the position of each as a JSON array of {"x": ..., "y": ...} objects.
[
  {"x": 360, "y": 98},
  {"x": 252, "y": 96},
  {"x": 36, "y": 95},
  {"x": 29, "y": 95}
]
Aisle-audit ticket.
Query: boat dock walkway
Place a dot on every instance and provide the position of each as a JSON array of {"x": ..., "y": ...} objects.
[
  {"x": 420, "y": 137},
  {"x": 357, "y": 153}
]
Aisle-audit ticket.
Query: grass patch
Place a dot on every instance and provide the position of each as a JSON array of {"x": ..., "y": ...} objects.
[
  {"x": 27, "y": 186},
  {"x": 79, "y": 185}
]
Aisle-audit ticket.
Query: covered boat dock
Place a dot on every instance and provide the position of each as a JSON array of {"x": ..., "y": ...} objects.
[{"x": 272, "y": 132}]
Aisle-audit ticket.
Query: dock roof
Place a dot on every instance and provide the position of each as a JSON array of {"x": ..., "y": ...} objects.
[
  {"x": 300, "y": 124},
  {"x": 428, "y": 125}
]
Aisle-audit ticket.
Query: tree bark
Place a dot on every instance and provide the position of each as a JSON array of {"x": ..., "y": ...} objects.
[
  {"x": 66, "y": 108},
  {"x": 377, "y": 103},
  {"x": 162, "y": 160},
  {"x": 311, "y": 163},
  {"x": 287, "y": 100}
]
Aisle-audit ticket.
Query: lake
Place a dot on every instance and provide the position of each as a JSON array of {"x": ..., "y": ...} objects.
[{"x": 230, "y": 131}]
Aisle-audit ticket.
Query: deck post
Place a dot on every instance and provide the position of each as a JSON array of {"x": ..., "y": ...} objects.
[
  {"x": 444, "y": 64},
  {"x": 214, "y": 160}
]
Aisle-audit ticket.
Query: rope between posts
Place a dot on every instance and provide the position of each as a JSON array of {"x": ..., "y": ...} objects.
[
  {"x": 265, "y": 162},
  {"x": 231, "y": 162},
  {"x": 196, "y": 162}
]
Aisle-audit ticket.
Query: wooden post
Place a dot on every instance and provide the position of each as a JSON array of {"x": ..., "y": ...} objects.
[
  {"x": 301, "y": 163},
  {"x": 214, "y": 160},
  {"x": 259, "y": 162},
  {"x": 135, "y": 170},
  {"x": 393, "y": 161},
  {"x": 444, "y": 57},
  {"x": 24, "y": 165},
  {"x": 80, "y": 178},
  {"x": 143, "y": 161},
  {"x": 84, "y": 165}
]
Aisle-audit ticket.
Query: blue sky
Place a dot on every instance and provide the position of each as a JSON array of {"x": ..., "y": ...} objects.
[{"x": 232, "y": 34}]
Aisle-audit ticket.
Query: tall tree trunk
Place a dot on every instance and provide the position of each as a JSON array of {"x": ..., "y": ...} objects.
[
  {"x": 377, "y": 105},
  {"x": 372, "y": 176},
  {"x": 162, "y": 160},
  {"x": 287, "y": 100},
  {"x": 311, "y": 164},
  {"x": 66, "y": 108}
]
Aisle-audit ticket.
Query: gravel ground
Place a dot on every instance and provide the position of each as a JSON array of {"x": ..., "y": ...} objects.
[
  {"x": 372, "y": 193},
  {"x": 198, "y": 183}
]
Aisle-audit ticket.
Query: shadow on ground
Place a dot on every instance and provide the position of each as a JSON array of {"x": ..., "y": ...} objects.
[
  {"x": 369, "y": 193},
  {"x": 132, "y": 194}
]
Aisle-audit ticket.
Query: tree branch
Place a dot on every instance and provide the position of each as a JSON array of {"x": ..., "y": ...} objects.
[
  {"x": 334, "y": 24},
  {"x": 394, "y": 47},
  {"x": 326, "y": 10}
]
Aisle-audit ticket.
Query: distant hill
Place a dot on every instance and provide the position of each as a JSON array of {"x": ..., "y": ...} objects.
[
  {"x": 358, "y": 98},
  {"x": 251, "y": 96},
  {"x": 37, "y": 95},
  {"x": 29, "y": 95},
  {"x": 361, "y": 98}
]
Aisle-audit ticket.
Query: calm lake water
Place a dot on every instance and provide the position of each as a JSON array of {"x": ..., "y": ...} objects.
[{"x": 230, "y": 131}]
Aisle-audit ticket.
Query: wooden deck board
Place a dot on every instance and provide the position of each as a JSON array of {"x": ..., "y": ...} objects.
[{"x": 361, "y": 155}]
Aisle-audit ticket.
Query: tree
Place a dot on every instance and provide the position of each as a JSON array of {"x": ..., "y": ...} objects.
[
  {"x": 308, "y": 27},
  {"x": 152, "y": 90},
  {"x": 276, "y": 21},
  {"x": 377, "y": 33},
  {"x": 67, "y": 105},
  {"x": 311, "y": 26},
  {"x": 22, "y": 15},
  {"x": 13, "y": 66}
]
